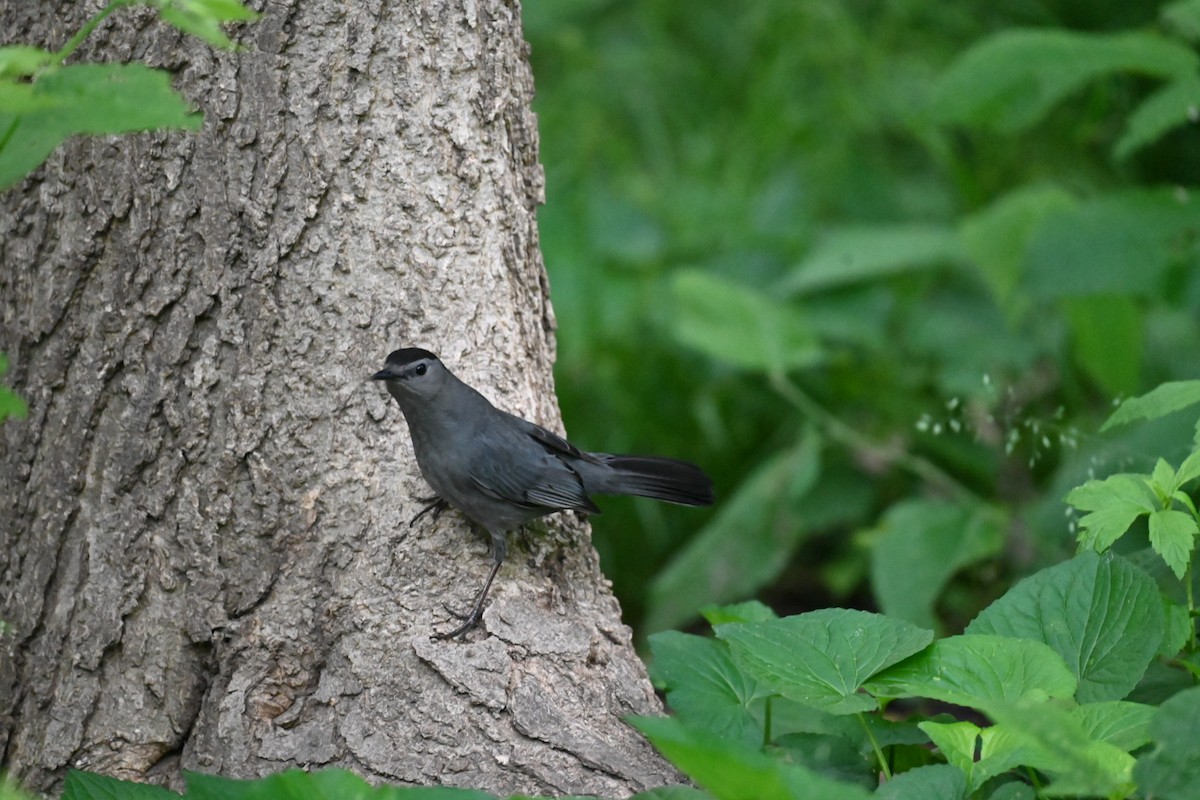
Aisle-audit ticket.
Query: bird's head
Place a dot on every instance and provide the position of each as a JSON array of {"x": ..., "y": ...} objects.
[{"x": 412, "y": 373}]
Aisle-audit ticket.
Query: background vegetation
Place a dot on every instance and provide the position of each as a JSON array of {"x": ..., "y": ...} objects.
[
  {"x": 881, "y": 267},
  {"x": 884, "y": 269}
]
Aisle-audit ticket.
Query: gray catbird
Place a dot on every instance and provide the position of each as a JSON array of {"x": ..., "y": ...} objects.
[{"x": 502, "y": 471}]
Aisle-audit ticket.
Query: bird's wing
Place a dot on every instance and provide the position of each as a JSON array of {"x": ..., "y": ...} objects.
[
  {"x": 537, "y": 478},
  {"x": 552, "y": 442}
]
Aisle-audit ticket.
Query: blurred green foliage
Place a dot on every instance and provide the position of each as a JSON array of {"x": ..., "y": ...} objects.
[{"x": 878, "y": 266}]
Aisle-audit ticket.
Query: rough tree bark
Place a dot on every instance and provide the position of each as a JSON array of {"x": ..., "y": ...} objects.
[{"x": 204, "y": 548}]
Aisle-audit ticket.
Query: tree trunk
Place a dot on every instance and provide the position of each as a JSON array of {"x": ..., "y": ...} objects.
[{"x": 204, "y": 541}]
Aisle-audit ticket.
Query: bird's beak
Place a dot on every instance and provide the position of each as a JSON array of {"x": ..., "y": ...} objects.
[{"x": 384, "y": 374}]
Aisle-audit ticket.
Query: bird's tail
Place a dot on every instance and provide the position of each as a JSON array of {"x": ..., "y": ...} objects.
[{"x": 660, "y": 478}]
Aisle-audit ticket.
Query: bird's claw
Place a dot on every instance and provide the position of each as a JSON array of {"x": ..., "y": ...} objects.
[
  {"x": 434, "y": 503},
  {"x": 469, "y": 621}
]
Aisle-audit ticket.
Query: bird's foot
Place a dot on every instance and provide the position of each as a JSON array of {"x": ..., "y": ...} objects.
[
  {"x": 432, "y": 503},
  {"x": 469, "y": 621}
]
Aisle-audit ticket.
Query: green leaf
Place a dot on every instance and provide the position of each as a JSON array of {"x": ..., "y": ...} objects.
[
  {"x": 997, "y": 238},
  {"x": 740, "y": 325},
  {"x": 1178, "y": 629},
  {"x": 1107, "y": 339},
  {"x": 1162, "y": 480},
  {"x": 1101, "y": 614},
  {"x": 203, "y": 18},
  {"x": 704, "y": 687},
  {"x": 999, "y": 750},
  {"x": 855, "y": 255},
  {"x": 327, "y": 784},
  {"x": 90, "y": 786},
  {"x": 973, "y": 670},
  {"x": 1183, "y": 18},
  {"x": 923, "y": 544},
  {"x": 1164, "y": 399},
  {"x": 673, "y": 793},
  {"x": 11, "y": 404},
  {"x": 1120, "y": 723},
  {"x": 1173, "y": 536},
  {"x": 19, "y": 60},
  {"x": 822, "y": 658},
  {"x": 1115, "y": 503},
  {"x": 1171, "y": 771},
  {"x": 1189, "y": 470},
  {"x": 1014, "y": 790},
  {"x": 1172, "y": 106},
  {"x": 933, "y": 782},
  {"x": 749, "y": 611},
  {"x": 1121, "y": 243},
  {"x": 745, "y": 546},
  {"x": 1009, "y": 81},
  {"x": 93, "y": 99},
  {"x": 731, "y": 772},
  {"x": 1051, "y": 738}
]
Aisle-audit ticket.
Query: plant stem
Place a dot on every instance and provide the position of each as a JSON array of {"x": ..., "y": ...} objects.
[
  {"x": 767, "y": 722},
  {"x": 848, "y": 436},
  {"x": 1191, "y": 603},
  {"x": 883, "y": 765},
  {"x": 76, "y": 40}
]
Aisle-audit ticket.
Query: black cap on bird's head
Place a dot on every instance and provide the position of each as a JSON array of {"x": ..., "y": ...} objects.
[
  {"x": 413, "y": 375},
  {"x": 405, "y": 363}
]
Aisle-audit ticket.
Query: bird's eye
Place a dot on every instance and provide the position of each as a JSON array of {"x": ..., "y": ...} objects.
[{"x": 421, "y": 369}]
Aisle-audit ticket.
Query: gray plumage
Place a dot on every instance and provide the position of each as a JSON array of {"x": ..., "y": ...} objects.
[{"x": 502, "y": 471}]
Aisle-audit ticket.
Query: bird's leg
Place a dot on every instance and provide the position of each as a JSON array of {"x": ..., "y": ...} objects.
[
  {"x": 471, "y": 619},
  {"x": 432, "y": 503}
]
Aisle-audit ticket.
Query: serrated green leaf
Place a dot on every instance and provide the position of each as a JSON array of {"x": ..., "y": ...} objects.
[
  {"x": 1120, "y": 723},
  {"x": 923, "y": 544},
  {"x": 1172, "y": 106},
  {"x": 1184, "y": 500},
  {"x": 1051, "y": 738},
  {"x": 1010, "y": 80},
  {"x": 1158, "y": 402},
  {"x": 82, "y": 785},
  {"x": 732, "y": 772},
  {"x": 957, "y": 741},
  {"x": 704, "y": 687},
  {"x": 1162, "y": 479},
  {"x": 1115, "y": 503},
  {"x": 1121, "y": 489},
  {"x": 978, "y": 669},
  {"x": 724, "y": 563},
  {"x": 932, "y": 782},
  {"x": 854, "y": 255},
  {"x": 999, "y": 751},
  {"x": 1101, "y": 614},
  {"x": 1171, "y": 770},
  {"x": 822, "y": 658},
  {"x": 1189, "y": 470},
  {"x": 1173, "y": 536},
  {"x": 740, "y": 325}
]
